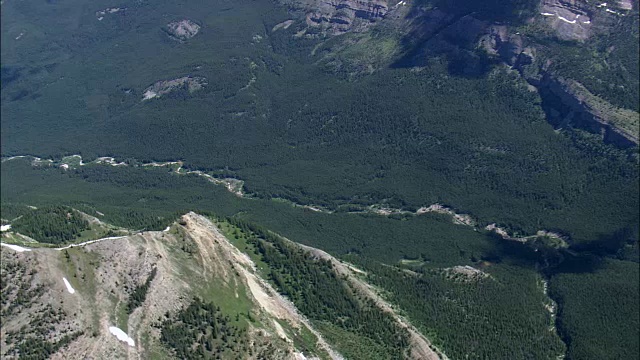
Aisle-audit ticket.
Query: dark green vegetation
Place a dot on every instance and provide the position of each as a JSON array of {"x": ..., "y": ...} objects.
[
  {"x": 139, "y": 294},
  {"x": 316, "y": 290},
  {"x": 512, "y": 296},
  {"x": 201, "y": 331},
  {"x": 11, "y": 211},
  {"x": 273, "y": 118},
  {"x": 599, "y": 311},
  {"x": 119, "y": 191},
  {"x": 607, "y": 65},
  {"x": 292, "y": 124},
  {"x": 501, "y": 316},
  {"x": 51, "y": 224}
]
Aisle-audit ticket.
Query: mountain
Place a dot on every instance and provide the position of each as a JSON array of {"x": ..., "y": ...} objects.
[
  {"x": 405, "y": 105},
  {"x": 187, "y": 291},
  {"x": 572, "y": 52},
  {"x": 375, "y": 179}
]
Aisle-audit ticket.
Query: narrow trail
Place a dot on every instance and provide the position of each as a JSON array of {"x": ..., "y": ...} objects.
[
  {"x": 19, "y": 248},
  {"x": 91, "y": 242}
]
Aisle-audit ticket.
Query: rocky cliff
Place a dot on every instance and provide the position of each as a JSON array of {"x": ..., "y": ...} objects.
[{"x": 532, "y": 39}]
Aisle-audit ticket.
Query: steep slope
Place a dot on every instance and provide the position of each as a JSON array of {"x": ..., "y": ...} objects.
[
  {"x": 420, "y": 346},
  {"x": 441, "y": 118},
  {"x": 122, "y": 298},
  {"x": 571, "y": 51},
  {"x": 189, "y": 292}
]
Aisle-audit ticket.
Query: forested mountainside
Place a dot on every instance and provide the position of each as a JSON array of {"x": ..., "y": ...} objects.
[
  {"x": 452, "y": 280},
  {"x": 412, "y": 104},
  {"x": 469, "y": 170},
  {"x": 189, "y": 292}
]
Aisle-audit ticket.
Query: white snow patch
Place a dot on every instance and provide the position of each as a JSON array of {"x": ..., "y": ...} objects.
[
  {"x": 5, "y": 227},
  {"x": 566, "y": 20},
  {"x": 312, "y": 208},
  {"x": 14, "y": 157},
  {"x": 167, "y": 229},
  {"x": 19, "y": 36},
  {"x": 121, "y": 335},
  {"x": 100, "y": 14},
  {"x": 602, "y": 5},
  {"x": 547, "y": 14},
  {"x": 68, "y": 285},
  {"x": 149, "y": 94},
  {"x": 65, "y": 166},
  {"x": 15, "y": 247}
]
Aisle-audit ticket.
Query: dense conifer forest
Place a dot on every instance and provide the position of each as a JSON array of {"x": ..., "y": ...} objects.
[
  {"x": 316, "y": 290},
  {"x": 51, "y": 224},
  {"x": 201, "y": 331},
  {"x": 389, "y": 119}
]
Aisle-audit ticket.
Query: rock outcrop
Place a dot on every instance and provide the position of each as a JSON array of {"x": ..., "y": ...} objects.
[
  {"x": 336, "y": 17},
  {"x": 164, "y": 87},
  {"x": 584, "y": 110},
  {"x": 182, "y": 30},
  {"x": 571, "y": 20},
  {"x": 565, "y": 101},
  {"x": 473, "y": 42}
]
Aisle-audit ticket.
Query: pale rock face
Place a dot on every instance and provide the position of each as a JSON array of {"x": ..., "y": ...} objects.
[
  {"x": 164, "y": 87},
  {"x": 625, "y": 4},
  {"x": 339, "y": 16},
  {"x": 183, "y": 30},
  {"x": 569, "y": 19}
]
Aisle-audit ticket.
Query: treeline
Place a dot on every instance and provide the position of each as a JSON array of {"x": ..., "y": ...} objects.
[
  {"x": 432, "y": 239},
  {"x": 313, "y": 286},
  {"x": 139, "y": 220},
  {"x": 201, "y": 331},
  {"x": 51, "y": 224},
  {"x": 133, "y": 207}
]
